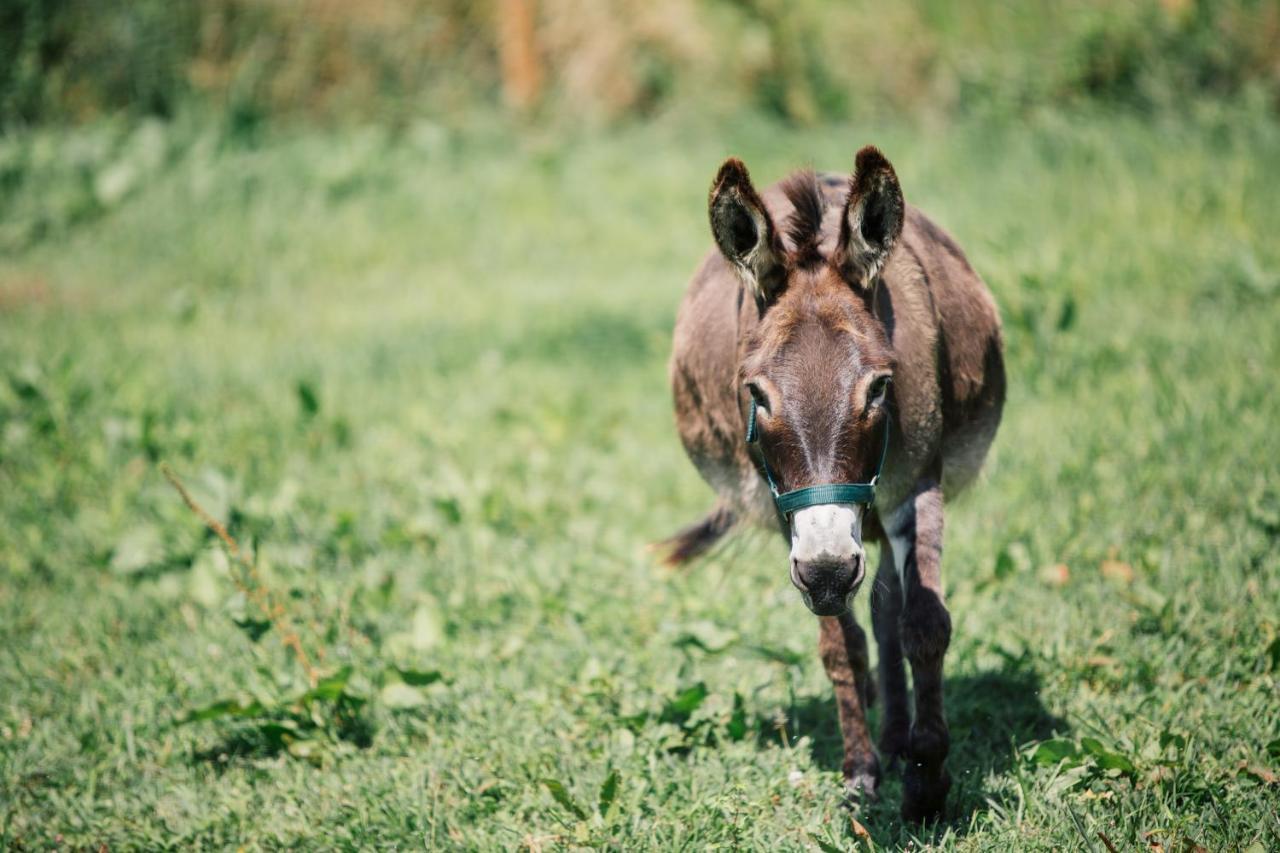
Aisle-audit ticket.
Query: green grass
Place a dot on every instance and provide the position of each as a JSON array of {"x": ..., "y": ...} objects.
[{"x": 424, "y": 377}]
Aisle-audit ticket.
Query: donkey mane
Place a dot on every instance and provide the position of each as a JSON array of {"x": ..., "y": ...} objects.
[{"x": 804, "y": 225}]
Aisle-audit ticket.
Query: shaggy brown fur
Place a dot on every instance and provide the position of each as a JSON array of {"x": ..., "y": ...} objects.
[{"x": 804, "y": 225}]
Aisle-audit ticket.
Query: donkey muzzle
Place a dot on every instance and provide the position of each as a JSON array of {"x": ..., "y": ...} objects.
[
  {"x": 827, "y": 560},
  {"x": 827, "y": 585}
]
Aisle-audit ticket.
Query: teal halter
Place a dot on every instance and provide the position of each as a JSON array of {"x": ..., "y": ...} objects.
[{"x": 827, "y": 493}]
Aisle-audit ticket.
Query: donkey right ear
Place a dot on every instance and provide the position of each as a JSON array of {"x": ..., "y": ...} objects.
[
  {"x": 872, "y": 220},
  {"x": 744, "y": 231}
]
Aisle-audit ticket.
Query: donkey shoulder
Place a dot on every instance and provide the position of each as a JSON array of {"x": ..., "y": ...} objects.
[{"x": 969, "y": 345}]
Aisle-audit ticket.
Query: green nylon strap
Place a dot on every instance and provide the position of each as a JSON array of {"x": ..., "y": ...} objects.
[
  {"x": 831, "y": 493},
  {"x": 827, "y": 493},
  {"x": 752, "y": 436}
]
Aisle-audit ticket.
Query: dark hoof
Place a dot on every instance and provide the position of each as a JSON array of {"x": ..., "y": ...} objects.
[
  {"x": 861, "y": 788},
  {"x": 924, "y": 793}
]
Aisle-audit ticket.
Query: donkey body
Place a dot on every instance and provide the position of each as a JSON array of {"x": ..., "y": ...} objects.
[{"x": 842, "y": 317}]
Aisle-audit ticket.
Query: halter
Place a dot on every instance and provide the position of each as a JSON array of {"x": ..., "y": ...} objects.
[{"x": 826, "y": 493}]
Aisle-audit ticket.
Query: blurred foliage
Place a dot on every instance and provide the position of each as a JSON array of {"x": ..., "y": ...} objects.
[{"x": 805, "y": 60}]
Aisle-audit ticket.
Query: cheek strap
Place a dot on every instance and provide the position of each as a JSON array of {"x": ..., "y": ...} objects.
[{"x": 826, "y": 493}]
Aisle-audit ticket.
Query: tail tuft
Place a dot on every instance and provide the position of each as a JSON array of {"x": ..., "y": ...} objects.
[{"x": 696, "y": 539}]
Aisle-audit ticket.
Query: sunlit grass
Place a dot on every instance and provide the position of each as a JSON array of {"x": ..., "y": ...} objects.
[{"x": 423, "y": 377}]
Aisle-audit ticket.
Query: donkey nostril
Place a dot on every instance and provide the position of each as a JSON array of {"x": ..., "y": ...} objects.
[
  {"x": 859, "y": 568},
  {"x": 797, "y": 576},
  {"x": 821, "y": 577}
]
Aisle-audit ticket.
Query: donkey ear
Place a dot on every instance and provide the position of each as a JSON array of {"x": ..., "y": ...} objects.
[
  {"x": 872, "y": 221},
  {"x": 744, "y": 231}
]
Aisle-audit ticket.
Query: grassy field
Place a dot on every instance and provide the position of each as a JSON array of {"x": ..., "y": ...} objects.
[{"x": 422, "y": 378}]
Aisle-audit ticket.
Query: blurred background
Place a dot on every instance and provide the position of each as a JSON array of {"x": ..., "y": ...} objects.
[
  {"x": 251, "y": 61},
  {"x": 560, "y": 67},
  {"x": 390, "y": 284}
]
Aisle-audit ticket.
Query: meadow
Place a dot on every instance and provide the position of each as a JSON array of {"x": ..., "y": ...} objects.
[{"x": 420, "y": 374}]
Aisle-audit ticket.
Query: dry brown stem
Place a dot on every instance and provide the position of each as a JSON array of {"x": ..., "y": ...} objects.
[{"x": 251, "y": 584}]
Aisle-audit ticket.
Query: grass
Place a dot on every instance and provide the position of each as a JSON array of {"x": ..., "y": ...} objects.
[{"x": 421, "y": 377}]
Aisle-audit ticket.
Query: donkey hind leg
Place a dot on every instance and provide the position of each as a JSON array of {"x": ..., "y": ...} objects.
[
  {"x": 915, "y": 533},
  {"x": 886, "y": 613},
  {"x": 843, "y": 647}
]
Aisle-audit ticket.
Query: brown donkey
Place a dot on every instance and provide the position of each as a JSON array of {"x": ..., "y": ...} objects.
[{"x": 807, "y": 358}]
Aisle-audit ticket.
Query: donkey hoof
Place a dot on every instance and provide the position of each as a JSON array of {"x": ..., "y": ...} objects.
[
  {"x": 861, "y": 787},
  {"x": 924, "y": 793}
]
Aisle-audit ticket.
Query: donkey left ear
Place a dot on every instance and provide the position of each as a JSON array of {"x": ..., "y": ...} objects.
[
  {"x": 744, "y": 231},
  {"x": 872, "y": 221}
]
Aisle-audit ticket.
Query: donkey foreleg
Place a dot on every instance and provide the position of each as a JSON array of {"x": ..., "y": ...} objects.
[
  {"x": 843, "y": 647},
  {"x": 886, "y": 619},
  {"x": 915, "y": 534}
]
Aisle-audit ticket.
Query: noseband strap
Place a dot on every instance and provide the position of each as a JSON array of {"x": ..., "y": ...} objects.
[{"x": 826, "y": 493}]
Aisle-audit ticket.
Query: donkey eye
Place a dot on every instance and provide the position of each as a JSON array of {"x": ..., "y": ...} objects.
[
  {"x": 758, "y": 396},
  {"x": 879, "y": 387}
]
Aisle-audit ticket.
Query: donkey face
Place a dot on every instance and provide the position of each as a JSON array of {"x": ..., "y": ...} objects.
[{"x": 818, "y": 364}]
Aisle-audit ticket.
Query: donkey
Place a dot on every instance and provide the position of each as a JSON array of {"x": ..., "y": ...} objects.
[{"x": 834, "y": 379}]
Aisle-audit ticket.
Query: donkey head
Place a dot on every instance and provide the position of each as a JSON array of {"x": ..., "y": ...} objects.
[{"x": 817, "y": 366}]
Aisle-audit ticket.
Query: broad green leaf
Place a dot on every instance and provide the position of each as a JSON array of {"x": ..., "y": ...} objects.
[
  {"x": 1051, "y": 752},
  {"x": 1105, "y": 758},
  {"x": 1093, "y": 746},
  {"x": 279, "y": 733},
  {"x": 783, "y": 656},
  {"x": 608, "y": 792},
  {"x": 1013, "y": 559},
  {"x": 224, "y": 708},
  {"x": 419, "y": 677},
  {"x": 26, "y": 385},
  {"x": 329, "y": 689},
  {"x": 1067, "y": 318},
  {"x": 562, "y": 796},
  {"x": 679, "y": 708},
  {"x": 308, "y": 400},
  {"x": 254, "y": 628},
  {"x": 738, "y": 722},
  {"x": 450, "y": 509},
  {"x": 1004, "y": 565}
]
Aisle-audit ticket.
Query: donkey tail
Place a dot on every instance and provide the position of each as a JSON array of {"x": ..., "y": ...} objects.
[{"x": 696, "y": 539}]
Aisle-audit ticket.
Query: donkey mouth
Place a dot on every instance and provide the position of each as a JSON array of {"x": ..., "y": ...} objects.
[
  {"x": 828, "y": 604},
  {"x": 829, "y": 592}
]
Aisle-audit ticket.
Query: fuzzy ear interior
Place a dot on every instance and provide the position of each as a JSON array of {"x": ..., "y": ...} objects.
[
  {"x": 744, "y": 231},
  {"x": 872, "y": 221}
]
